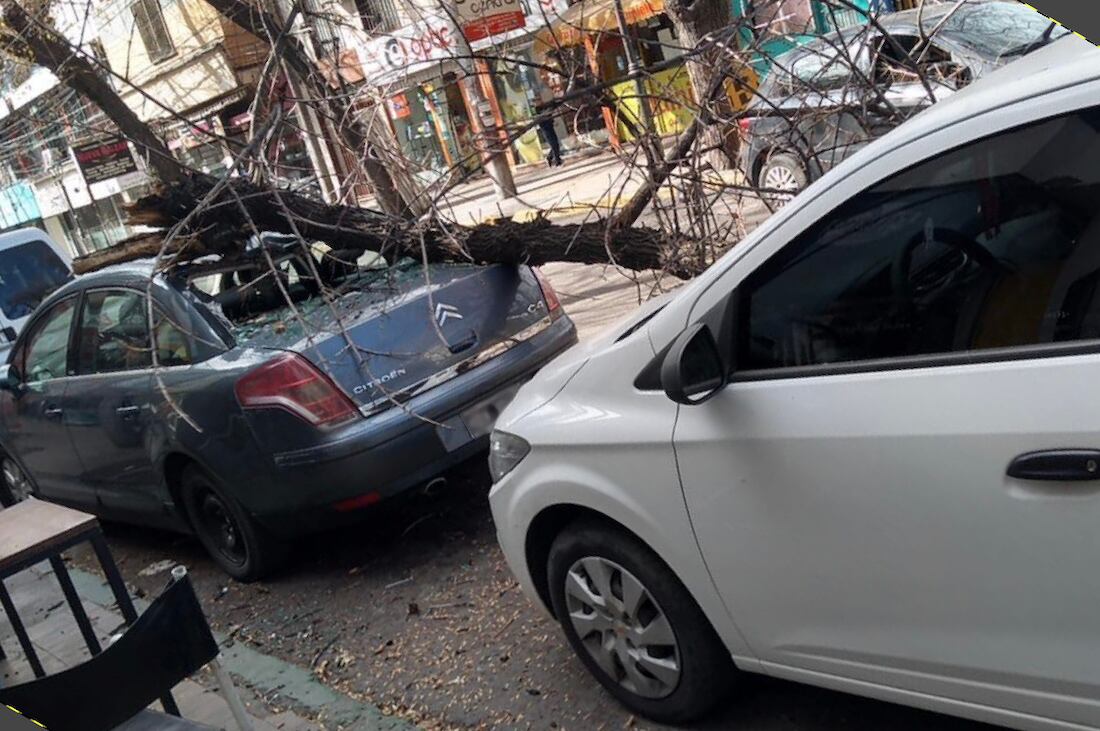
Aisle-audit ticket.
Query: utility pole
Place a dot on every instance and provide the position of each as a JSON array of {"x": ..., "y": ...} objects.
[
  {"x": 635, "y": 68},
  {"x": 494, "y": 156}
]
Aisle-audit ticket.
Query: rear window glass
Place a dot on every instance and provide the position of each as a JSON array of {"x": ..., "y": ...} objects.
[
  {"x": 29, "y": 272},
  {"x": 993, "y": 29},
  {"x": 254, "y": 299}
]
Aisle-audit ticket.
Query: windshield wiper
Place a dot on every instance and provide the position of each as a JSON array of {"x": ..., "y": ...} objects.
[{"x": 1026, "y": 48}]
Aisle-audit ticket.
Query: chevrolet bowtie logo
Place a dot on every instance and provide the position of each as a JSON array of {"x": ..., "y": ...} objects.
[{"x": 445, "y": 312}]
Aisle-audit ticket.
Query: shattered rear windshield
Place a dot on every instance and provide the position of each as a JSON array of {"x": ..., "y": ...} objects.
[{"x": 255, "y": 301}]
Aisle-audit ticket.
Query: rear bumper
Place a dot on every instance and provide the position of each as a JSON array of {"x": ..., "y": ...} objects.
[{"x": 402, "y": 447}]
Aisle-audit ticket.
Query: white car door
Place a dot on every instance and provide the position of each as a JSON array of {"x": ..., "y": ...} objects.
[{"x": 850, "y": 488}]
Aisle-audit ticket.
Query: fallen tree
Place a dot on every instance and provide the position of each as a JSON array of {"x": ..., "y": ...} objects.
[{"x": 238, "y": 208}]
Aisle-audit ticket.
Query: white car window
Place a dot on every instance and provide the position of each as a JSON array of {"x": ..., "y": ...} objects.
[{"x": 993, "y": 245}]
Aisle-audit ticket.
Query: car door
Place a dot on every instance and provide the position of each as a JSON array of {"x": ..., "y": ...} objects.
[
  {"x": 900, "y": 484},
  {"x": 109, "y": 400},
  {"x": 829, "y": 75},
  {"x": 35, "y": 409}
]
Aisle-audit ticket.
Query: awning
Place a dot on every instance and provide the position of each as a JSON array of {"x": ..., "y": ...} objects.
[{"x": 592, "y": 16}]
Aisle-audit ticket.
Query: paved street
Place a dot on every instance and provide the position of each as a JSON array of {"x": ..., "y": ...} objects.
[{"x": 415, "y": 611}]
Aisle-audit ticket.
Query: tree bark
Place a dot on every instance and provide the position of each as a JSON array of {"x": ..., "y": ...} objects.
[
  {"x": 220, "y": 228},
  {"x": 50, "y": 50},
  {"x": 694, "y": 20}
]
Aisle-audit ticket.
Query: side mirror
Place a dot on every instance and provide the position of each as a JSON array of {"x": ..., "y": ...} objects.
[
  {"x": 693, "y": 369},
  {"x": 8, "y": 379}
]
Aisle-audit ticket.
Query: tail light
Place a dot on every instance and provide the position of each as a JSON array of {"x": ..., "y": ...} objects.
[
  {"x": 290, "y": 382},
  {"x": 553, "y": 304},
  {"x": 745, "y": 123}
]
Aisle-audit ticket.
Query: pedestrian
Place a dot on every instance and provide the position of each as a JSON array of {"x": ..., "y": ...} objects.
[
  {"x": 547, "y": 102},
  {"x": 548, "y": 134}
]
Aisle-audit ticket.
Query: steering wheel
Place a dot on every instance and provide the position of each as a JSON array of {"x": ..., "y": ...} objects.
[{"x": 900, "y": 270}]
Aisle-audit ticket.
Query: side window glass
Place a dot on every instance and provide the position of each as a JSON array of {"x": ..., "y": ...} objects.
[
  {"x": 114, "y": 332},
  {"x": 993, "y": 245},
  {"x": 171, "y": 341},
  {"x": 47, "y": 349}
]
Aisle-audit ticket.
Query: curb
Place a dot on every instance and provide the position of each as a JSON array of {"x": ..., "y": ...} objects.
[{"x": 267, "y": 674}]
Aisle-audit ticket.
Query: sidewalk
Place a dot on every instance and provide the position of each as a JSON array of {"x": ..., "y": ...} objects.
[
  {"x": 285, "y": 687},
  {"x": 589, "y": 181}
]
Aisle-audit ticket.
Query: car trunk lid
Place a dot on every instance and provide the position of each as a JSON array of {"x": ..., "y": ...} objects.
[{"x": 406, "y": 329}]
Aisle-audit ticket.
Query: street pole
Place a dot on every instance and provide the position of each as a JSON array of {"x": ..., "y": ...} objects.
[
  {"x": 494, "y": 155},
  {"x": 635, "y": 68}
]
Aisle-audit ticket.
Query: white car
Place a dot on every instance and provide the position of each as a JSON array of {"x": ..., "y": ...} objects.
[
  {"x": 31, "y": 266},
  {"x": 862, "y": 451}
]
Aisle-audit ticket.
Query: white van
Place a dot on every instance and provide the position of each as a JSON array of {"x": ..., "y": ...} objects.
[{"x": 31, "y": 266}]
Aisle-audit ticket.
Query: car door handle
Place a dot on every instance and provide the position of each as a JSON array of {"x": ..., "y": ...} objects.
[
  {"x": 127, "y": 411},
  {"x": 1057, "y": 465},
  {"x": 51, "y": 412}
]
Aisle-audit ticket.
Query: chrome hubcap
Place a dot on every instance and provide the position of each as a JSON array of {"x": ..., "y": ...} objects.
[
  {"x": 780, "y": 178},
  {"x": 18, "y": 485},
  {"x": 622, "y": 627}
]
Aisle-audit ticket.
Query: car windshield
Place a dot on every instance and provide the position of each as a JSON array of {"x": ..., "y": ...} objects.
[
  {"x": 29, "y": 272},
  {"x": 1000, "y": 28}
]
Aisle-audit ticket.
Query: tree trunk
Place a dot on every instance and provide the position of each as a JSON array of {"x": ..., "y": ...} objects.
[
  {"x": 52, "y": 51},
  {"x": 221, "y": 228},
  {"x": 392, "y": 198},
  {"x": 694, "y": 20}
]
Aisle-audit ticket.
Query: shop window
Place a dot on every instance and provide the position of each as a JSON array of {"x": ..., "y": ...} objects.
[
  {"x": 208, "y": 157},
  {"x": 151, "y": 27},
  {"x": 100, "y": 224}
]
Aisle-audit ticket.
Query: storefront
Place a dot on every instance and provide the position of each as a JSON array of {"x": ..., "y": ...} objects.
[
  {"x": 521, "y": 88},
  {"x": 431, "y": 123},
  {"x": 84, "y": 216},
  {"x": 418, "y": 76},
  {"x": 591, "y": 28},
  {"x": 18, "y": 207}
]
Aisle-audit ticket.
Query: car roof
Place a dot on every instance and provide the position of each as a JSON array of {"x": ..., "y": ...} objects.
[
  {"x": 927, "y": 17},
  {"x": 129, "y": 274},
  {"x": 24, "y": 235},
  {"x": 1066, "y": 62}
]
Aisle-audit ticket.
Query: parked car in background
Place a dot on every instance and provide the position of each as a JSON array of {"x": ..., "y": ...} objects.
[
  {"x": 825, "y": 100},
  {"x": 31, "y": 267},
  {"x": 220, "y": 409},
  {"x": 861, "y": 450}
]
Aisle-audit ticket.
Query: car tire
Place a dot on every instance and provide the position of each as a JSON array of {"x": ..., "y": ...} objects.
[
  {"x": 15, "y": 484},
  {"x": 236, "y": 542},
  {"x": 692, "y": 674},
  {"x": 782, "y": 171}
]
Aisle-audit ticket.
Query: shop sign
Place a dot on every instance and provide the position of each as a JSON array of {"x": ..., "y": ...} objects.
[
  {"x": 399, "y": 106},
  {"x": 393, "y": 57},
  {"x": 104, "y": 159},
  {"x": 483, "y": 18},
  {"x": 114, "y": 186},
  {"x": 389, "y": 58},
  {"x": 538, "y": 13},
  {"x": 59, "y": 194}
]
